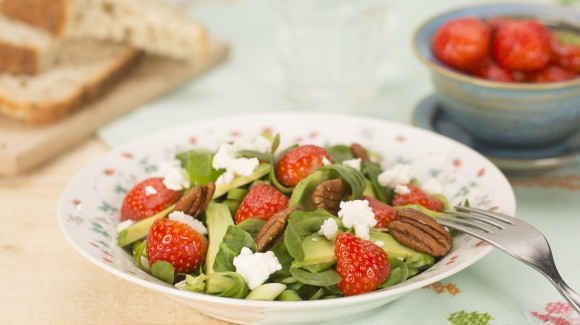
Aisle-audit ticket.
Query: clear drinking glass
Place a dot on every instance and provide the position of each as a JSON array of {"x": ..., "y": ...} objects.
[{"x": 331, "y": 50}]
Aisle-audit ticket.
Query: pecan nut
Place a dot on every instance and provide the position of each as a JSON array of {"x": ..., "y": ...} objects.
[
  {"x": 194, "y": 201},
  {"x": 272, "y": 229},
  {"x": 328, "y": 194},
  {"x": 359, "y": 151},
  {"x": 420, "y": 232}
]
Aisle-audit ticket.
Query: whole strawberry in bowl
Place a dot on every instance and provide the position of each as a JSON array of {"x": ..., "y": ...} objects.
[{"x": 506, "y": 73}]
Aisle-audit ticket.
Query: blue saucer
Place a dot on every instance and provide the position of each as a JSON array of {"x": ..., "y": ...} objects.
[{"x": 429, "y": 115}]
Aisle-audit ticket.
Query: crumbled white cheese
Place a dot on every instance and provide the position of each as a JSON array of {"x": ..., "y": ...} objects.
[
  {"x": 380, "y": 243},
  {"x": 432, "y": 186},
  {"x": 243, "y": 166},
  {"x": 402, "y": 189},
  {"x": 188, "y": 220},
  {"x": 150, "y": 190},
  {"x": 174, "y": 177},
  {"x": 358, "y": 215},
  {"x": 398, "y": 175},
  {"x": 124, "y": 225},
  {"x": 225, "y": 178},
  {"x": 325, "y": 161},
  {"x": 354, "y": 163},
  {"x": 256, "y": 268},
  {"x": 227, "y": 158},
  {"x": 329, "y": 229}
]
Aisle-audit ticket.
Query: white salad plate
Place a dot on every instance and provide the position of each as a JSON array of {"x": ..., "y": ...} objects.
[{"x": 88, "y": 210}]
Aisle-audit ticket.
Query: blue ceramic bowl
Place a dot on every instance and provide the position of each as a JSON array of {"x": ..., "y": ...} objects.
[{"x": 510, "y": 114}]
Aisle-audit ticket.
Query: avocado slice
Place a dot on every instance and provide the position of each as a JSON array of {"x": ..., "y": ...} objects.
[
  {"x": 218, "y": 219},
  {"x": 141, "y": 228}
]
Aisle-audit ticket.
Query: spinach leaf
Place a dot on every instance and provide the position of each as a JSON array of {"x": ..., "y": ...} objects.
[
  {"x": 372, "y": 171},
  {"x": 234, "y": 240},
  {"x": 340, "y": 153},
  {"x": 198, "y": 164}
]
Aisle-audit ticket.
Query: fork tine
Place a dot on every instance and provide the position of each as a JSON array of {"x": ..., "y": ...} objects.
[
  {"x": 465, "y": 229},
  {"x": 454, "y": 222},
  {"x": 476, "y": 217},
  {"x": 491, "y": 214}
]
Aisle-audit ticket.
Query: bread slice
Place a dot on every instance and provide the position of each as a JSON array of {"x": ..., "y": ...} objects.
[
  {"x": 23, "y": 49},
  {"x": 82, "y": 72},
  {"x": 150, "y": 25}
]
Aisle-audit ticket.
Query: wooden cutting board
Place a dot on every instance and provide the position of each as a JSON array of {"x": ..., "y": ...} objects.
[{"x": 23, "y": 147}]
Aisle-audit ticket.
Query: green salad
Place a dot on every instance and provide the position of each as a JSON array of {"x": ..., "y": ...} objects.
[{"x": 254, "y": 221}]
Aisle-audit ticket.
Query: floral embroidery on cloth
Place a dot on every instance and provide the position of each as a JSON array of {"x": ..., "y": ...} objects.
[
  {"x": 558, "y": 313},
  {"x": 473, "y": 318}
]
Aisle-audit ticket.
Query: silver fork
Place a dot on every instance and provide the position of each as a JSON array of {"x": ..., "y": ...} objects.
[{"x": 513, "y": 236}]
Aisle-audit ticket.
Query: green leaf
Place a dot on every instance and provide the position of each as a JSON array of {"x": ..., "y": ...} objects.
[
  {"x": 234, "y": 240},
  {"x": 372, "y": 171},
  {"x": 138, "y": 250},
  {"x": 254, "y": 154},
  {"x": 302, "y": 224},
  {"x": 226, "y": 284},
  {"x": 321, "y": 279},
  {"x": 340, "y": 153},
  {"x": 302, "y": 195},
  {"x": 284, "y": 258},
  {"x": 275, "y": 144},
  {"x": 198, "y": 164},
  {"x": 251, "y": 226},
  {"x": 399, "y": 273},
  {"x": 353, "y": 177},
  {"x": 163, "y": 271}
]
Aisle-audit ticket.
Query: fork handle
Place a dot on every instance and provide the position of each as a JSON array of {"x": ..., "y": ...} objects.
[{"x": 572, "y": 297}]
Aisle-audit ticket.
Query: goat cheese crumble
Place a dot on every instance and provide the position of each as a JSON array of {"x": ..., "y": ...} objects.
[
  {"x": 354, "y": 163},
  {"x": 398, "y": 175},
  {"x": 402, "y": 189},
  {"x": 256, "y": 268},
  {"x": 227, "y": 158},
  {"x": 328, "y": 229},
  {"x": 358, "y": 215},
  {"x": 188, "y": 220},
  {"x": 432, "y": 186},
  {"x": 174, "y": 176}
]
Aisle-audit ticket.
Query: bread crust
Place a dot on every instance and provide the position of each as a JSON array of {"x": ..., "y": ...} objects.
[
  {"x": 51, "y": 16},
  {"x": 18, "y": 59},
  {"x": 43, "y": 113}
]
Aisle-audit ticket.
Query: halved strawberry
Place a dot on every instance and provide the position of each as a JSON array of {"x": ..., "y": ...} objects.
[
  {"x": 384, "y": 213},
  {"x": 176, "y": 243},
  {"x": 148, "y": 198},
  {"x": 300, "y": 162},
  {"x": 261, "y": 202},
  {"x": 362, "y": 265},
  {"x": 417, "y": 196}
]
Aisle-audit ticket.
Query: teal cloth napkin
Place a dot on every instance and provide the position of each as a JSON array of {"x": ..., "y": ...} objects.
[{"x": 496, "y": 290}]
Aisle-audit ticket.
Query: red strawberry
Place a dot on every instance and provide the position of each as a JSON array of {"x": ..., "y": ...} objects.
[
  {"x": 420, "y": 197},
  {"x": 566, "y": 55},
  {"x": 138, "y": 205},
  {"x": 176, "y": 243},
  {"x": 362, "y": 265},
  {"x": 300, "y": 162},
  {"x": 553, "y": 73},
  {"x": 492, "y": 71},
  {"x": 261, "y": 202},
  {"x": 462, "y": 43},
  {"x": 522, "y": 45},
  {"x": 384, "y": 213}
]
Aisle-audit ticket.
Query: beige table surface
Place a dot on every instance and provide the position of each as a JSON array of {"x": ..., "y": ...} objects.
[{"x": 43, "y": 280}]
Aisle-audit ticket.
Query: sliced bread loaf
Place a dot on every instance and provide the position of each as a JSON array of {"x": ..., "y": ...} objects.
[
  {"x": 23, "y": 49},
  {"x": 81, "y": 73},
  {"x": 150, "y": 25}
]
